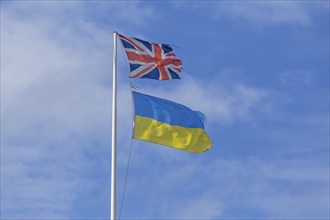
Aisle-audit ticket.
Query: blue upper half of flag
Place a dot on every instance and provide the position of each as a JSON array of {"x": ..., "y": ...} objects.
[{"x": 167, "y": 111}]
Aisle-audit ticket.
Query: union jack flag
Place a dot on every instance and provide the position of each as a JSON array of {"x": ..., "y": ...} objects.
[{"x": 151, "y": 60}]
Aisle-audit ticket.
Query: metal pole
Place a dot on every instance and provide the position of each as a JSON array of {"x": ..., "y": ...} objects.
[{"x": 114, "y": 128}]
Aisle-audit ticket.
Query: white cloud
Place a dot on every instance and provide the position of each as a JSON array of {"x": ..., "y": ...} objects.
[
  {"x": 34, "y": 188},
  {"x": 225, "y": 104},
  {"x": 204, "y": 207},
  {"x": 226, "y": 188},
  {"x": 293, "y": 78},
  {"x": 266, "y": 12},
  {"x": 56, "y": 103},
  {"x": 263, "y": 13}
]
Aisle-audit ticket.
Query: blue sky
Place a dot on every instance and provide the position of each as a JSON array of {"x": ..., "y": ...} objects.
[{"x": 259, "y": 70}]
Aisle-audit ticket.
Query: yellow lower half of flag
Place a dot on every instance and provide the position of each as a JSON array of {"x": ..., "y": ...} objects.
[{"x": 189, "y": 139}]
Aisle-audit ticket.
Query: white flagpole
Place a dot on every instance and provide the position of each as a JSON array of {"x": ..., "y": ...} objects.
[{"x": 114, "y": 128}]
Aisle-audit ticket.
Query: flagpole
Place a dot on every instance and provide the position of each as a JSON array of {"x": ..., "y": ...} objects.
[{"x": 114, "y": 128}]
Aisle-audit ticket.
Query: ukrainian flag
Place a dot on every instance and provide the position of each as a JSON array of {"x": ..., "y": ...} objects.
[{"x": 168, "y": 123}]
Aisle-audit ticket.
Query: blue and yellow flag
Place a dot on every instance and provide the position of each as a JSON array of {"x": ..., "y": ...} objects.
[{"x": 168, "y": 123}]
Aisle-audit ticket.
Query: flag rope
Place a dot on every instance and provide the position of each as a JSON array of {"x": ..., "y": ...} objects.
[
  {"x": 125, "y": 182},
  {"x": 132, "y": 86}
]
